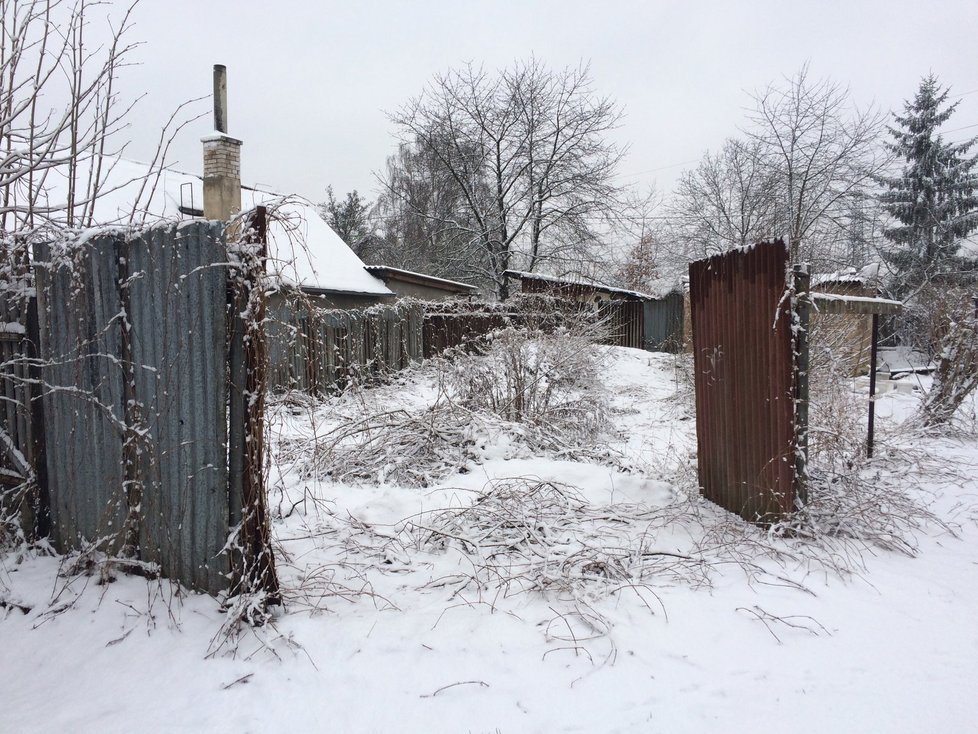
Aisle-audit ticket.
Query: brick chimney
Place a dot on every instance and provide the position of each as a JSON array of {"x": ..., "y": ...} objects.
[{"x": 222, "y": 158}]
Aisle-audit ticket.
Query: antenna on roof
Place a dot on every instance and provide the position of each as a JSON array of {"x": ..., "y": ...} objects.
[{"x": 220, "y": 98}]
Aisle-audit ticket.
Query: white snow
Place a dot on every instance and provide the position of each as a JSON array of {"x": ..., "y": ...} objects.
[
  {"x": 377, "y": 635},
  {"x": 303, "y": 249}
]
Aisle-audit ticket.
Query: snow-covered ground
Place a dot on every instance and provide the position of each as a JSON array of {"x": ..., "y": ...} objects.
[{"x": 590, "y": 592}]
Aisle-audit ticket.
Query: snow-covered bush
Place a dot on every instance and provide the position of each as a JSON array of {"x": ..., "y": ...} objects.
[
  {"x": 532, "y": 377},
  {"x": 957, "y": 371}
]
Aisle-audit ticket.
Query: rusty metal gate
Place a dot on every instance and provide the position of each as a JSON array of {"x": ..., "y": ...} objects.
[{"x": 746, "y": 433}]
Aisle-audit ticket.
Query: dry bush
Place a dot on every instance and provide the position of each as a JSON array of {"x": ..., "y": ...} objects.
[
  {"x": 836, "y": 415},
  {"x": 548, "y": 380},
  {"x": 852, "y": 512},
  {"x": 534, "y": 390},
  {"x": 957, "y": 371},
  {"x": 414, "y": 449},
  {"x": 419, "y": 448},
  {"x": 854, "y": 503}
]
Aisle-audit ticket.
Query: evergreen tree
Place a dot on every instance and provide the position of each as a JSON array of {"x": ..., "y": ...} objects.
[
  {"x": 350, "y": 219},
  {"x": 933, "y": 200}
]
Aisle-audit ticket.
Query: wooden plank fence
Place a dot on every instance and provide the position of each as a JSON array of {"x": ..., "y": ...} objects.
[{"x": 316, "y": 350}]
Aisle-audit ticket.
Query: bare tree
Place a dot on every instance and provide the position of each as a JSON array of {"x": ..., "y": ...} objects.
[
  {"x": 527, "y": 150},
  {"x": 823, "y": 152},
  {"x": 639, "y": 267},
  {"x": 957, "y": 363},
  {"x": 421, "y": 220},
  {"x": 59, "y": 110},
  {"x": 729, "y": 200},
  {"x": 62, "y": 115}
]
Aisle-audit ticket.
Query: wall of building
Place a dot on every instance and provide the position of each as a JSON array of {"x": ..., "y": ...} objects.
[
  {"x": 405, "y": 289},
  {"x": 842, "y": 342}
]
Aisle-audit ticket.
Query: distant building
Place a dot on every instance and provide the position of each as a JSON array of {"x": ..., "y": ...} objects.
[
  {"x": 638, "y": 320},
  {"x": 844, "y": 341},
  {"x": 408, "y": 284}
]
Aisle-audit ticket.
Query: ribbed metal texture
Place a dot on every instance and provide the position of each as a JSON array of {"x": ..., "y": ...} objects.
[
  {"x": 177, "y": 309},
  {"x": 624, "y": 318},
  {"x": 664, "y": 323},
  {"x": 15, "y": 388},
  {"x": 742, "y": 349},
  {"x": 168, "y": 400},
  {"x": 78, "y": 310},
  {"x": 625, "y": 323}
]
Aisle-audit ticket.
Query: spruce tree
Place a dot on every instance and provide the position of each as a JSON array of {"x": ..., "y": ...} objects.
[{"x": 933, "y": 200}]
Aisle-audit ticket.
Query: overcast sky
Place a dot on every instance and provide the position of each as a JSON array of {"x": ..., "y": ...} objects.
[{"x": 310, "y": 82}]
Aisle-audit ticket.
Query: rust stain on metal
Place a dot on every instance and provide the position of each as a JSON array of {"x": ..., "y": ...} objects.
[{"x": 744, "y": 377}]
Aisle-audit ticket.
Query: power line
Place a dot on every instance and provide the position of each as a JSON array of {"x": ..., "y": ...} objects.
[{"x": 660, "y": 168}]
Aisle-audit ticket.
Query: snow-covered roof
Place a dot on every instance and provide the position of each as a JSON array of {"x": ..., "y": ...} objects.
[
  {"x": 580, "y": 281},
  {"x": 383, "y": 271},
  {"x": 303, "y": 249},
  {"x": 862, "y": 276}
]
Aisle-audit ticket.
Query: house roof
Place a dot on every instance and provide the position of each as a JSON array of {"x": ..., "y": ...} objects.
[
  {"x": 385, "y": 272},
  {"x": 304, "y": 251}
]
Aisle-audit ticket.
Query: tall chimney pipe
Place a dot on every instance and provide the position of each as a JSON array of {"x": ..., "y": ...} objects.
[
  {"x": 220, "y": 98},
  {"x": 222, "y": 158}
]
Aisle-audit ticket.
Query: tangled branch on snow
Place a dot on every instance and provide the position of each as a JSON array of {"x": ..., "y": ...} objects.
[
  {"x": 419, "y": 447},
  {"x": 526, "y": 534}
]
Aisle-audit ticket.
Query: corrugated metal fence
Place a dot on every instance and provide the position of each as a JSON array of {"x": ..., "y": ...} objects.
[
  {"x": 131, "y": 400},
  {"x": 745, "y": 381},
  {"x": 625, "y": 323},
  {"x": 663, "y": 320},
  {"x": 133, "y": 335},
  {"x": 20, "y": 444}
]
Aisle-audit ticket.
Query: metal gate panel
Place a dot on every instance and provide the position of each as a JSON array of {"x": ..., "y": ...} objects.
[{"x": 744, "y": 377}]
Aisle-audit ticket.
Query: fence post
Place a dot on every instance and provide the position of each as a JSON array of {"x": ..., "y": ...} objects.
[
  {"x": 802, "y": 289},
  {"x": 41, "y": 504},
  {"x": 254, "y": 569},
  {"x": 871, "y": 419}
]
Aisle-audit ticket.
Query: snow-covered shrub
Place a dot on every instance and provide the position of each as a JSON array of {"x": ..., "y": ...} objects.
[
  {"x": 529, "y": 376},
  {"x": 957, "y": 371}
]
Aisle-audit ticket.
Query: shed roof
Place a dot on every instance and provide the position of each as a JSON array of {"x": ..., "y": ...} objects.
[
  {"x": 384, "y": 272},
  {"x": 834, "y": 303},
  {"x": 580, "y": 283}
]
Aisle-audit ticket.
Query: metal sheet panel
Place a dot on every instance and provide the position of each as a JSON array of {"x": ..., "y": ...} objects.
[
  {"x": 664, "y": 323},
  {"x": 156, "y": 393},
  {"x": 744, "y": 372},
  {"x": 78, "y": 311},
  {"x": 177, "y": 309}
]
